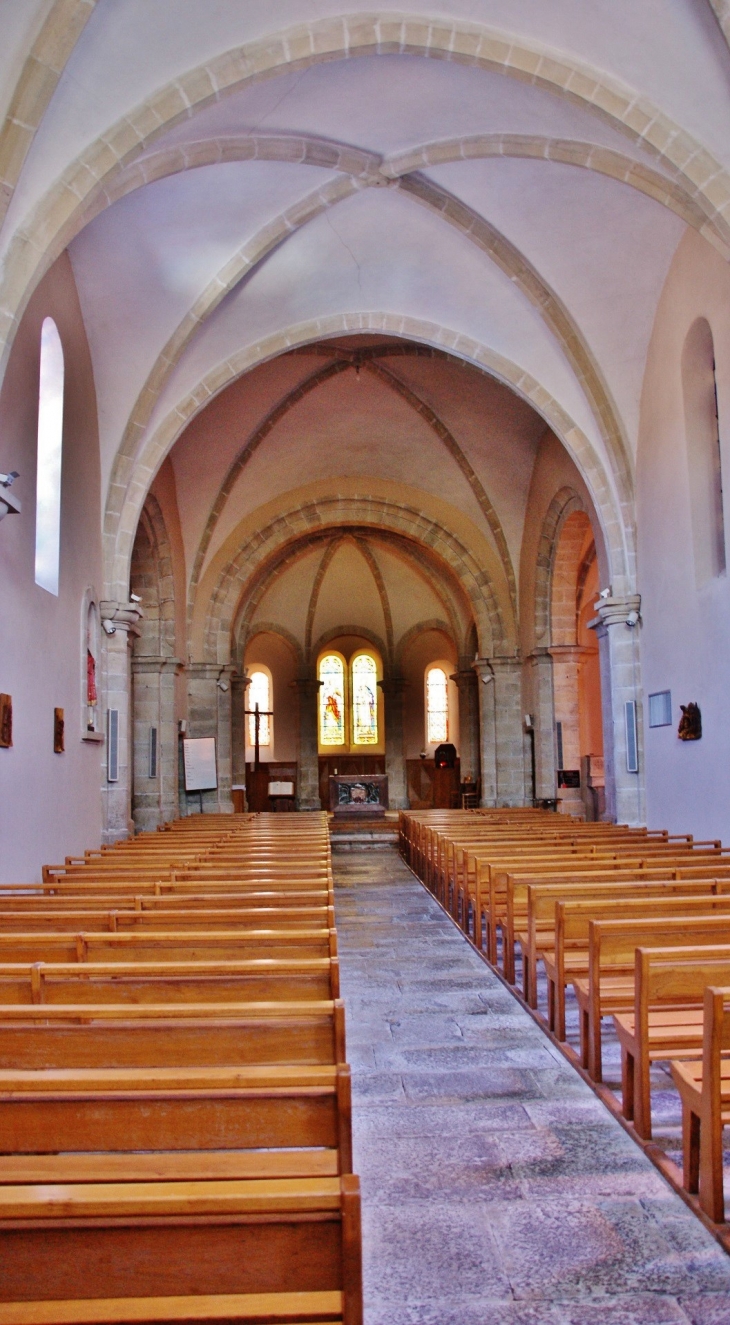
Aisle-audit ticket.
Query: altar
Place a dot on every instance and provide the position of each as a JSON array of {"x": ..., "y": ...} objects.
[{"x": 354, "y": 794}]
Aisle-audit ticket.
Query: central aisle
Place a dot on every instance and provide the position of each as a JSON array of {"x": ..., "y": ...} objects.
[{"x": 496, "y": 1187}]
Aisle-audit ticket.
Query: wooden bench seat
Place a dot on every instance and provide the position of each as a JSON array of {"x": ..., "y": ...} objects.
[
  {"x": 218, "y": 1309},
  {"x": 162, "y": 982},
  {"x": 666, "y": 1019},
  {"x": 164, "y": 1035},
  {"x": 192, "y": 1238},
  {"x": 96, "y": 1112}
]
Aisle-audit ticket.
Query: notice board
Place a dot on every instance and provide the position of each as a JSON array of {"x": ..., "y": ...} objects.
[{"x": 200, "y": 766}]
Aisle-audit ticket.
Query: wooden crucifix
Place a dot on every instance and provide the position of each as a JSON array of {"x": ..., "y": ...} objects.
[{"x": 257, "y": 714}]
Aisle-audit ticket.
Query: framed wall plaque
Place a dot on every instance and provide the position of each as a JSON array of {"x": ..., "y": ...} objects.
[
  {"x": 6, "y": 721},
  {"x": 58, "y": 732}
]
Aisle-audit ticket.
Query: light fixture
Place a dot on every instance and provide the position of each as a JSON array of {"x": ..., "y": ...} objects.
[{"x": 108, "y": 626}]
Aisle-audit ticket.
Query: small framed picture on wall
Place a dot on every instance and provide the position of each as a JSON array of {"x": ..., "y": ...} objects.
[
  {"x": 6, "y": 721},
  {"x": 58, "y": 732}
]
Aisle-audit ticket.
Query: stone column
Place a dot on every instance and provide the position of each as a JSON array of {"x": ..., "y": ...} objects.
[
  {"x": 119, "y": 630},
  {"x": 567, "y": 661},
  {"x": 509, "y": 731},
  {"x": 467, "y": 683},
  {"x": 540, "y": 665},
  {"x": 308, "y": 798},
  {"x": 503, "y": 737},
  {"x": 487, "y": 736},
  {"x": 239, "y": 687},
  {"x": 395, "y": 758},
  {"x": 209, "y": 714},
  {"x": 154, "y": 799},
  {"x": 620, "y": 661}
]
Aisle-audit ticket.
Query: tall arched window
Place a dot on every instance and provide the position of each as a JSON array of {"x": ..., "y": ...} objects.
[
  {"x": 703, "y": 452},
  {"x": 50, "y": 445},
  {"x": 437, "y": 705},
  {"x": 332, "y": 700},
  {"x": 364, "y": 700},
  {"x": 259, "y": 692}
]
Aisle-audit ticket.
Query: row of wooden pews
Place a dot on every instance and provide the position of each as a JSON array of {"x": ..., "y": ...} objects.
[
  {"x": 631, "y": 924},
  {"x": 175, "y": 1114}
]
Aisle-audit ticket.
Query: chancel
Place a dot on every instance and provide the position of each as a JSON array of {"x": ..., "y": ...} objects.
[{"x": 364, "y": 611}]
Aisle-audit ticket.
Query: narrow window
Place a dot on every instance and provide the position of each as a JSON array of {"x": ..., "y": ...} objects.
[
  {"x": 332, "y": 700},
  {"x": 50, "y": 443},
  {"x": 364, "y": 700},
  {"x": 437, "y": 705},
  {"x": 703, "y": 453},
  {"x": 259, "y": 692},
  {"x": 632, "y": 737}
]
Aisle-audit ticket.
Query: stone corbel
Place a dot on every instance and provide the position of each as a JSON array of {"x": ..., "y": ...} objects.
[
  {"x": 623, "y": 611},
  {"x": 123, "y": 616}
]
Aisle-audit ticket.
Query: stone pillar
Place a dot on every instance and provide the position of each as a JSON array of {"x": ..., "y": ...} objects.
[
  {"x": 567, "y": 662},
  {"x": 395, "y": 757},
  {"x": 239, "y": 686},
  {"x": 540, "y": 665},
  {"x": 467, "y": 683},
  {"x": 119, "y": 631},
  {"x": 308, "y": 798},
  {"x": 487, "y": 740},
  {"x": 509, "y": 731},
  {"x": 154, "y": 799},
  {"x": 503, "y": 737},
  {"x": 620, "y": 661},
  {"x": 209, "y": 714}
]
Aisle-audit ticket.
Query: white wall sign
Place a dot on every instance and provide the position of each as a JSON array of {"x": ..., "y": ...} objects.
[{"x": 200, "y": 767}]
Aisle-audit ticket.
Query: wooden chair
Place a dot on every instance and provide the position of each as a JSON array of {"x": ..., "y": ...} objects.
[
  {"x": 704, "y": 1088},
  {"x": 666, "y": 1020}
]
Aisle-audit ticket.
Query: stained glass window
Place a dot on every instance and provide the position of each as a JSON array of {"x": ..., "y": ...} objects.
[
  {"x": 364, "y": 701},
  {"x": 437, "y": 705},
  {"x": 259, "y": 692},
  {"x": 332, "y": 700}
]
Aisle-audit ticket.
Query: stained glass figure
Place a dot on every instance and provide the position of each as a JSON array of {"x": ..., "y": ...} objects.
[
  {"x": 332, "y": 700},
  {"x": 437, "y": 705},
  {"x": 364, "y": 700},
  {"x": 259, "y": 692}
]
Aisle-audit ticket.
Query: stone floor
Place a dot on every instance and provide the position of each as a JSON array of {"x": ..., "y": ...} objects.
[{"x": 496, "y": 1187}]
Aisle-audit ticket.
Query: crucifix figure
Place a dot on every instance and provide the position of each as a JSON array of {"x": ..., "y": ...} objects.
[{"x": 257, "y": 714}]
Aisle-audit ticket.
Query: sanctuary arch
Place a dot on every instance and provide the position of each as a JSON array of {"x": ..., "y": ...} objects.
[{"x": 379, "y": 568}]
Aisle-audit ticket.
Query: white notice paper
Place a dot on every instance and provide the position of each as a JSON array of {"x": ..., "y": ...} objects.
[{"x": 200, "y": 767}]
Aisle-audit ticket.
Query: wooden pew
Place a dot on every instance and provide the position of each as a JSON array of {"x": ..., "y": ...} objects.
[
  {"x": 167, "y": 945},
  {"x": 538, "y": 940},
  {"x": 704, "y": 1089},
  {"x": 121, "y": 919},
  {"x": 174, "y": 1122},
  {"x": 258, "y": 979},
  {"x": 171, "y": 900},
  {"x": 171, "y": 1035},
  {"x": 569, "y": 959},
  {"x": 666, "y": 1020},
  {"x": 197, "y": 1238},
  {"x": 612, "y": 961}
]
